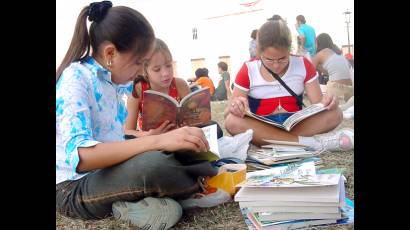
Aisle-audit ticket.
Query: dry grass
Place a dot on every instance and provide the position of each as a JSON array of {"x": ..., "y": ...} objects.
[{"x": 225, "y": 216}]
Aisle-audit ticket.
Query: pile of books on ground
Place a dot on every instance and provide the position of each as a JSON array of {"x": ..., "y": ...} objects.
[
  {"x": 293, "y": 196},
  {"x": 278, "y": 153}
]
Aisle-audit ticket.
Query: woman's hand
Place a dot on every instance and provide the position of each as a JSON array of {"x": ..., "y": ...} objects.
[
  {"x": 329, "y": 101},
  {"x": 185, "y": 138},
  {"x": 238, "y": 106}
]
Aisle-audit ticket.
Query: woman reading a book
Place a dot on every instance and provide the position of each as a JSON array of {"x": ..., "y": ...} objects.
[
  {"x": 256, "y": 89},
  {"x": 98, "y": 173}
]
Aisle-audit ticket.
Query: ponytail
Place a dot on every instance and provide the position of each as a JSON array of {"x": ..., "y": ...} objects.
[
  {"x": 127, "y": 29},
  {"x": 80, "y": 43}
]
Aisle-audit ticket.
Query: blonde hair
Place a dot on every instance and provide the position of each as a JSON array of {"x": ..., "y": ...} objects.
[
  {"x": 160, "y": 46},
  {"x": 274, "y": 33}
]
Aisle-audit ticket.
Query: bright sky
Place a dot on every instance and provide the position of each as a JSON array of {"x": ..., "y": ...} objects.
[{"x": 230, "y": 35}]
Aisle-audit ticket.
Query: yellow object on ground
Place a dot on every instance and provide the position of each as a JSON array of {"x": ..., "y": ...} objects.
[{"x": 228, "y": 177}]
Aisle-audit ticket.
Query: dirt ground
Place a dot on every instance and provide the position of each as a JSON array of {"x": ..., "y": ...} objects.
[{"x": 228, "y": 215}]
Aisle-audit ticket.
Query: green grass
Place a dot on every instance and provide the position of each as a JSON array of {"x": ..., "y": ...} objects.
[{"x": 225, "y": 216}]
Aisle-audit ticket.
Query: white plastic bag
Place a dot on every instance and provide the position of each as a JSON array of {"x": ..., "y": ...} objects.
[{"x": 236, "y": 146}]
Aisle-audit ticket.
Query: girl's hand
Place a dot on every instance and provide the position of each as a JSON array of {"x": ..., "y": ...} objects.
[
  {"x": 163, "y": 128},
  {"x": 329, "y": 101},
  {"x": 185, "y": 138},
  {"x": 238, "y": 106}
]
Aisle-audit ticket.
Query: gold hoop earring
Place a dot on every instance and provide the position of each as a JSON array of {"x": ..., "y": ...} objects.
[{"x": 109, "y": 63}]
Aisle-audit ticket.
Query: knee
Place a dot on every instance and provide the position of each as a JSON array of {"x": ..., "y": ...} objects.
[
  {"x": 335, "y": 118},
  {"x": 149, "y": 164},
  {"x": 234, "y": 124}
]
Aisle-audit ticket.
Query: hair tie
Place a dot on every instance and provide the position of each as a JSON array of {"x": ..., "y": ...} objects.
[{"x": 98, "y": 10}]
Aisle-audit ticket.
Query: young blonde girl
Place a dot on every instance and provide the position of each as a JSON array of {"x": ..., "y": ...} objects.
[{"x": 158, "y": 76}]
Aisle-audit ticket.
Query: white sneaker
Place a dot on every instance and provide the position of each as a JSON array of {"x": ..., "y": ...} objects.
[
  {"x": 149, "y": 213},
  {"x": 206, "y": 199},
  {"x": 341, "y": 140},
  {"x": 209, "y": 197}
]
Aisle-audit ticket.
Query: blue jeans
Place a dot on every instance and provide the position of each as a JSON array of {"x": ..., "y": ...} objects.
[{"x": 150, "y": 174}]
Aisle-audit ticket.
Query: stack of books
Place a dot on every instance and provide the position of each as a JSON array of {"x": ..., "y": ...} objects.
[
  {"x": 291, "y": 196},
  {"x": 278, "y": 153}
]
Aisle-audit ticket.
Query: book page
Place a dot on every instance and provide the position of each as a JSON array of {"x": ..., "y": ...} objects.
[
  {"x": 157, "y": 109},
  {"x": 303, "y": 114},
  {"x": 195, "y": 108},
  {"x": 210, "y": 133},
  {"x": 284, "y": 143}
]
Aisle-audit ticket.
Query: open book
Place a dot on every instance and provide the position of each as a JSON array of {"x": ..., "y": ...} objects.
[
  {"x": 189, "y": 157},
  {"x": 194, "y": 109},
  {"x": 297, "y": 117}
]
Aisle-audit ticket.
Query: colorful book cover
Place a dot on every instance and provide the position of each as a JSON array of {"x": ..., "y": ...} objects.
[{"x": 194, "y": 109}]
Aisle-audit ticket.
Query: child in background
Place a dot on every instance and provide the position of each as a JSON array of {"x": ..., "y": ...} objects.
[
  {"x": 202, "y": 79},
  {"x": 256, "y": 89},
  {"x": 158, "y": 76}
]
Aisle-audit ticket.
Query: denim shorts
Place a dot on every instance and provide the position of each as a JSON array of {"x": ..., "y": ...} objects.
[{"x": 279, "y": 117}]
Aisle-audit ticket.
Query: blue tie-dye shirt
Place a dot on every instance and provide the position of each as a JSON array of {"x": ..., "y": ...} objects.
[{"x": 89, "y": 110}]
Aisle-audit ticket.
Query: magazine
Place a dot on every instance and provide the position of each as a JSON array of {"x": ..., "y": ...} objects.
[
  {"x": 294, "y": 119},
  {"x": 194, "y": 109},
  {"x": 292, "y": 175}
]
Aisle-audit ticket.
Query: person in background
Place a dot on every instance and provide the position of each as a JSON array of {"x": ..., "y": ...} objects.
[
  {"x": 330, "y": 61},
  {"x": 307, "y": 36},
  {"x": 222, "y": 91},
  {"x": 252, "y": 44},
  {"x": 258, "y": 91},
  {"x": 202, "y": 80}
]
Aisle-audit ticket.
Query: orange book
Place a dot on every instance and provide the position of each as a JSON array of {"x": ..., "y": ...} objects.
[{"x": 194, "y": 109}]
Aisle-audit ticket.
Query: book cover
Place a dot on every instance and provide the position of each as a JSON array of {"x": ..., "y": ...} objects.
[
  {"x": 291, "y": 181},
  {"x": 194, "y": 109},
  {"x": 297, "y": 117}
]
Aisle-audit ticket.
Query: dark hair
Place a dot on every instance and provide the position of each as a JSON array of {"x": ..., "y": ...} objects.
[
  {"x": 201, "y": 72},
  {"x": 223, "y": 66},
  {"x": 205, "y": 72},
  {"x": 301, "y": 19},
  {"x": 198, "y": 72},
  {"x": 126, "y": 28},
  {"x": 274, "y": 33},
  {"x": 253, "y": 34},
  {"x": 276, "y": 17},
  {"x": 323, "y": 41}
]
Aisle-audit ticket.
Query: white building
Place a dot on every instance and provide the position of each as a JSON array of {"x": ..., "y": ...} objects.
[{"x": 223, "y": 27}]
